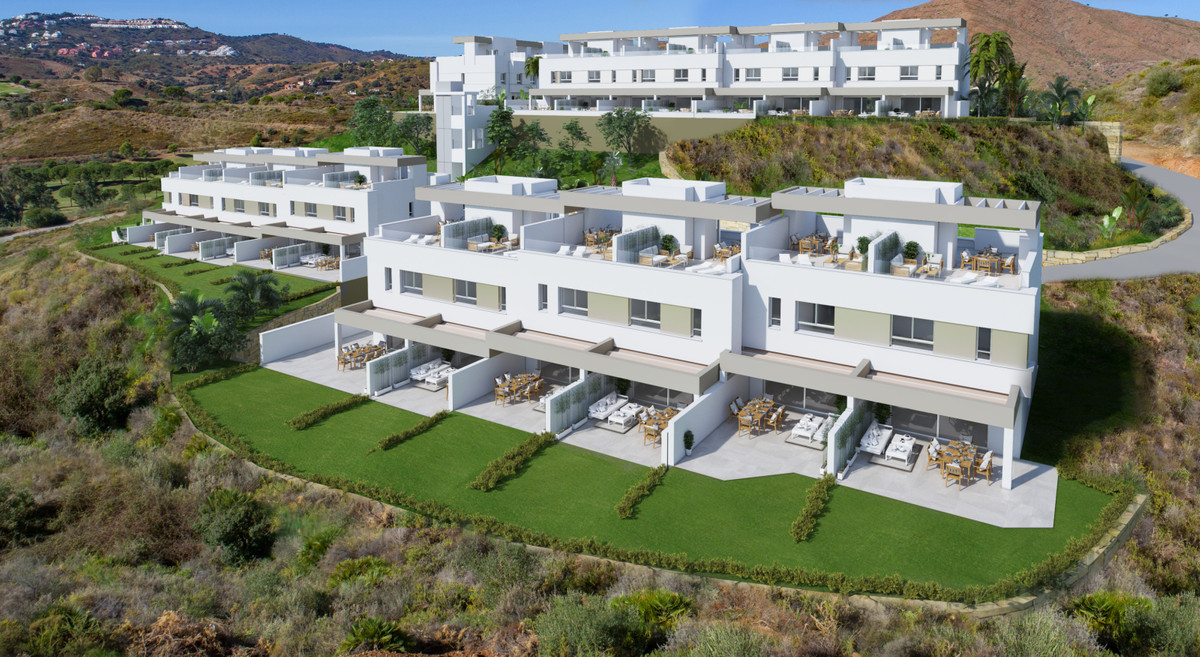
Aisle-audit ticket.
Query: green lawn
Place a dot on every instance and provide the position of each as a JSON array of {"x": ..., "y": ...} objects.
[
  {"x": 10, "y": 89},
  {"x": 571, "y": 492},
  {"x": 203, "y": 281}
]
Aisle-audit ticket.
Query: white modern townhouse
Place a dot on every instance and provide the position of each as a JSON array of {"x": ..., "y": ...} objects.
[
  {"x": 282, "y": 208},
  {"x": 625, "y": 319},
  {"x": 883, "y": 68}
]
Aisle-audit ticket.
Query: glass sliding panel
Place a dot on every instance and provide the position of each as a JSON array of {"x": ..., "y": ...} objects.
[
  {"x": 791, "y": 396},
  {"x": 906, "y": 420}
]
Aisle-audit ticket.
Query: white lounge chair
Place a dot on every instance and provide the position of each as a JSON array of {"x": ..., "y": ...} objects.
[{"x": 564, "y": 250}]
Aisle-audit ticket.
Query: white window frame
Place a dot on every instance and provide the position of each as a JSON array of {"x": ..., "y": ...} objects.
[
  {"x": 543, "y": 297},
  {"x": 697, "y": 323},
  {"x": 681, "y": 75},
  {"x": 266, "y": 209},
  {"x": 239, "y": 205},
  {"x": 754, "y": 75},
  {"x": 503, "y": 299},
  {"x": 593, "y": 77},
  {"x": 647, "y": 75},
  {"x": 564, "y": 77},
  {"x": 737, "y": 75},
  {"x": 816, "y": 73},
  {"x": 465, "y": 292},
  {"x": 569, "y": 302},
  {"x": 909, "y": 73},
  {"x": 774, "y": 312},
  {"x": 809, "y": 317},
  {"x": 193, "y": 200},
  {"x": 937, "y": 72},
  {"x": 791, "y": 74},
  {"x": 339, "y": 213},
  {"x": 412, "y": 282},
  {"x": 907, "y": 338},
  {"x": 310, "y": 210},
  {"x": 646, "y": 314},
  {"x": 865, "y": 74}
]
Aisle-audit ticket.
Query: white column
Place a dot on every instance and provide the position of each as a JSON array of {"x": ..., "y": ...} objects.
[
  {"x": 1006, "y": 474},
  {"x": 337, "y": 337}
]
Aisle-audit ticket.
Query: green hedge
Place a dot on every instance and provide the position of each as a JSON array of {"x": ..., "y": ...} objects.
[
  {"x": 144, "y": 270},
  {"x": 107, "y": 245},
  {"x": 150, "y": 256},
  {"x": 213, "y": 377},
  {"x": 193, "y": 272},
  {"x": 508, "y": 465},
  {"x": 220, "y": 281},
  {"x": 421, "y": 427},
  {"x": 814, "y": 504},
  {"x": 1046, "y": 573},
  {"x": 179, "y": 263},
  {"x": 307, "y": 419},
  {"x": 300, "y": 294},
  {"x": 640, "y": 490}
]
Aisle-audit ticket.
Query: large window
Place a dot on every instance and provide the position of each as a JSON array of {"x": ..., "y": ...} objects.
[
  {"x": 239, "y": 205},
  {"x": 681, "y": 75},
  {"x": 561, "y": 77},
  {"x": 866, "y": 73},
  {"x": 906, "y": 420},
  {"x": 647, "y": 75},
  {"x": 387, "y": 278},
  {"x": 339, "y": 212},
  {"x": 774, "y": 312},
  {"x": 310, "y": 209},
  {"x": 791, "y": 73},
  {"x": 464, "y": 292},
  {"x": 912, "y": 332},
  {"x": 814, "y": 317},
  {"x": 645, "y": 313},
  {"x": 983, "y": 344},
  {"x": 803, "y": 398},
  {"x": 908, "y": 72},
  {"x": 594, "y": 77},
  {"x": 697, "y": 324},
  {"x": 754, "y": 75},
  {"x": 266, "y": 209},
  {"x": 572, "y": 302},
  {"x": 193, "y": 200},
  {"x": 411, "y": 282}
]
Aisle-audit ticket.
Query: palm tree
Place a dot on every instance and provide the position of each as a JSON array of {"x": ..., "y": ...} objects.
[
  {"x": 1014, "y": 86},
  {"x": 989, "y": 54},
  {"x": 187, "y": 307},
  {"x": 1136, "y": 202},
  {"x": 249, "y": 292},
  {"x": 532, "y": 65},
  {"x": 1060, "y": 99}
]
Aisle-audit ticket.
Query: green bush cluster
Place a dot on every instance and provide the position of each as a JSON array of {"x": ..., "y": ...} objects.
[
  {"x": 126, "y": 252},
  {"x": 1131, "y": 625},
  {"x": 375, "y": 634},
  {"x": 640, "y": 490},
  {"x": 1045, "y": 573},
  {"x": 95, "y": 393},
  {"x": 662, "y": 610},
  {"x": 578, "y": 625},
  {"x": 288, "y": 297},
  {"x": 512, "y": 460},
  {"x": 309, "y": 418},
  {"x": 420, "y": 428},
  {"x": 1163, "y": 80},
  {"x": 151, "y": 256},
  {"x": 22, "y": 519},
  {"x": 178, "y": 263},
  {"x": 316, "y": 545},
  {"x": 108, "y": 245},
  {"x": 368, "y": 569},
  {"x": 220, "y": 281},
  {"x": 814, "y": 505},
  {"x": 193, "y": 272},
  {"x": 237, "y": 524}
]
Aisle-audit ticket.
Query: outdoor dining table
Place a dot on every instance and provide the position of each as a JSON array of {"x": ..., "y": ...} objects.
[
  {"x": 963, "y": 453},
  {"x": 989, "y": 260},
  {"x": 514, "y": 385},
  {"x": 757, "y": 410},
  {"x": 814, "y": 242}
]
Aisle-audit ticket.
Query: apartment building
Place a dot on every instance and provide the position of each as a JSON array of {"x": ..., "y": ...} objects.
[
  {"x": 278, "y": 208},
  {"x": 901, "y": 67},
  {"x": 511, "y": 274}
]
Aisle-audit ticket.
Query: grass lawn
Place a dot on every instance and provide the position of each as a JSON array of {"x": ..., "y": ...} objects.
[
  {"x": 570, "y": 492},
  {"x": 10, "y": 89},
  {"x": 335, "y": 143},
  {"x": 204, "y": 280}
]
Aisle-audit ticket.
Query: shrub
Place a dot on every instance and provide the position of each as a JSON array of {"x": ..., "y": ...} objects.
[
  {"x": 372, "y": 633},
  {"x": 660, "y": 609},
  {"x": 814, "y": 504},
  {"x": 512, "y": 460},
  {"x": 95, "y": 394},
  {"x": 63, "y": 629},
  {"x": 421, "y": 427},
  {"x": 1162, "y": 81},
  {"x": 21, "y": 518},
  {"x": 721, "y": 640},
  {"x": 316, "y": 545},
  {"x": 583, "y": 625},
  {"x": 366, "y": 569},
  {"x": 306, "y": 420},
  {"x": 1105, "y": 614},
  {"x": 640, "y": 490},
  {"x": 236, "y": 524},
  {"x": 1169, "y": 626},
  {"x": 911, "y": 250},
  {"x": 42, "y": 217},
  {"x": 1042, "y": 633}
]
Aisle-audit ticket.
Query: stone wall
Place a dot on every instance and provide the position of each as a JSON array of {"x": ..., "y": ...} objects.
[
  {"x": 1113, "y": 132},
  {"x": 1052, "y": 257},
  {"x": 663, "y": 130}
]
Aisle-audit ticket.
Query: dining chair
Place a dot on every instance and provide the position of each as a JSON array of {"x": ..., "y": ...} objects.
[
  {"x": 986, "y": 466},
  {"x": 746, "y": 423},
  {"x": 936, "y": 455},
  {"x": 1010, "y": 264},
  {"x": 953, "y": 471}
]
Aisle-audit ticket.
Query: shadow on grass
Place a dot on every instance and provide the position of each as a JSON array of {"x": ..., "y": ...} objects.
[{"x": 1087, "y": 384}]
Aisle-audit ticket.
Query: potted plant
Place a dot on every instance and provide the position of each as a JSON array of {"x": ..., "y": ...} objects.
[
  {"x": 688, "y": 441},
  {"x": 883, "y": 413},
  {"x": 498, "y": 232},
  {"x": 622, "y": 387},
  {"x": 448, "y": 355},
  {"x": 911, "y": 251},
  {"x": 668, "y": 245}
]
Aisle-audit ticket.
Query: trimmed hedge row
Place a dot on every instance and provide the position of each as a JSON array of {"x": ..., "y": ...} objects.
[
  {"x": 218, "y": 375},
  {"x": 309, "y": 418},
  {"x": 127, "y": 252},
  {"x": 144, "y": 270},
  {"x": 193, "y": 272},
  {"x": 640, "y": 490},
  {"x": 421, "y": 427},
  {"x": 508, "y": 465},
  {"x": 1046, "y": 573},
  {"x": 179, "y": 263},
  {"x": 107, "y": 245},
  {"x": 220, "y": 281},
  {"x": 814, "y": 504},
  {"x": 151, "y": 256},
  {"x": 300, "y": 294}
]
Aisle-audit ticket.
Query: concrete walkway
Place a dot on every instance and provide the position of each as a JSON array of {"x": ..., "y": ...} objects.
[{"x": 1179, "y": 255}]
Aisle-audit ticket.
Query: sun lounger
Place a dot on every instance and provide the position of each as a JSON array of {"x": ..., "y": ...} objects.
[
  {"x": 875, "y": 440},
  {"x": 605, "y": 407}
]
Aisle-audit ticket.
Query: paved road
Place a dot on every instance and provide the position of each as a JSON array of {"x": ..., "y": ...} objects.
[
  {"x": 35, "y": 231},
  {"x": 1179, "y": 255}
]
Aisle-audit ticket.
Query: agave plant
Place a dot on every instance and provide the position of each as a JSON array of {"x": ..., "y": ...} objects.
[{"x": 374, "y": 633}]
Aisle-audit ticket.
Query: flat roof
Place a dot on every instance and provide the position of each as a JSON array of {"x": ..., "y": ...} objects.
[
  {"x": 751, "y": 209},
  {"x": 1004, "y": 213},
  {"x": 722, "y": 30},
  {"x": 791, "y": 28},
  {"x": 316, "y": 159},
  {"x": 779, "y": 28},
  {"x": 907, "y": 24}
]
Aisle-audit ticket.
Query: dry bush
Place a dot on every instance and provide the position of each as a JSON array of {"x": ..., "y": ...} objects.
[{"x": 173, "y": 635}]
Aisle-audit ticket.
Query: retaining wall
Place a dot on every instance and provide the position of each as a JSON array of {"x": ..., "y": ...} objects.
[{"x": 1052, "y": 257}]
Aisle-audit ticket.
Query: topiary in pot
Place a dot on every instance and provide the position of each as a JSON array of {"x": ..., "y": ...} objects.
[
  {"x": 669, "y": 244},
  {"x": 689, "y": 439},
  {"x": 911, "y": 250}
]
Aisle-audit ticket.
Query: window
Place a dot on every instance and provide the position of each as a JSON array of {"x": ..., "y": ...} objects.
[
  {"x": 411, "y": 282},
  {"x": 783, "y": 46},
  {"x": 816, "y": 73},
  {"x": 645, "y": 313},
  {"x": 166, "y": 197},
  {"x": 594, "y": 77},
  {"x": 503, "y": 299},
  {"x": 410, "y": 208},
  {"x": 518, "y": 78},
  {"x": 737, "y": 75},
  {"x": 681, "y": 75},
  {"x": 193, "y": 200},
  {"x": 696, "y": 323},
  {"x": 339, "y": 212},
  {"x": 239, "y": 205},
  {"x": 647, "y": 75},
  {"x": 814, "y": 317},
  {"x": 543, "y": 296},
  {"x": 912, "y": 332},
  {"x": 612, "y": 76},
  {"x": 572, "y": 302},
  {"x": 983, "y": 344},
  {"x": 791, "y": 74},
  {"x": 504, "y": 78},
  {"x": 704, "y": 75},
  {"x": 908, "y": 72},
  {"x": 387, "y": 278},
  {"x": 310, "y": 209},
  {"x": 562, "y": 77},
  {"x": 754, "y": 75},
  {"x": 937, "y": 72},
  {"x": 775, "y": 312},
  {"x": 866, "y": 73},
  {"x": 266, "y": 209},
  {"x": 464, "y": 292}
]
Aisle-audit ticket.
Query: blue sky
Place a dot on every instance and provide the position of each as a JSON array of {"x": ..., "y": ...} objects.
[{"x": 424, "y": 27}]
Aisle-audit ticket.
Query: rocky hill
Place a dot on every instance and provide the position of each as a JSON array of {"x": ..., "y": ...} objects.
[{"x": 1093, "y": 46}]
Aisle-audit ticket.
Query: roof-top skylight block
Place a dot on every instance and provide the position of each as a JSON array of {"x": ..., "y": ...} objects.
[
  {"x": 919, "y": 191},
  {"x": 665, "y": 188},
  {"x": 511, "y": 185}
]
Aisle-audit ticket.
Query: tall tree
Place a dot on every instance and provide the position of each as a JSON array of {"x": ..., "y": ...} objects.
[
  {"x": 621, "y": 128},
  {"x": 530, "y": 137},
  {"x": 1014, "y": 87},
  {"x": 372, "y": 122},
  {"x": 533, "y": 66},
  {"x": 1060, "y": 99},
  {"x": 502, "y": 135},
  {"x": 413, "y": 129},
  {"x": 990, "y": 52},
  {"x": 249, "y": 292},
  {"x": 22, "y": 188}
]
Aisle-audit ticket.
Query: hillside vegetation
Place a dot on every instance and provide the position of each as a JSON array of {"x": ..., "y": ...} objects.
[
  {"x": 1160, "y": 105},
  {"x": 1070, "y": 172}
]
